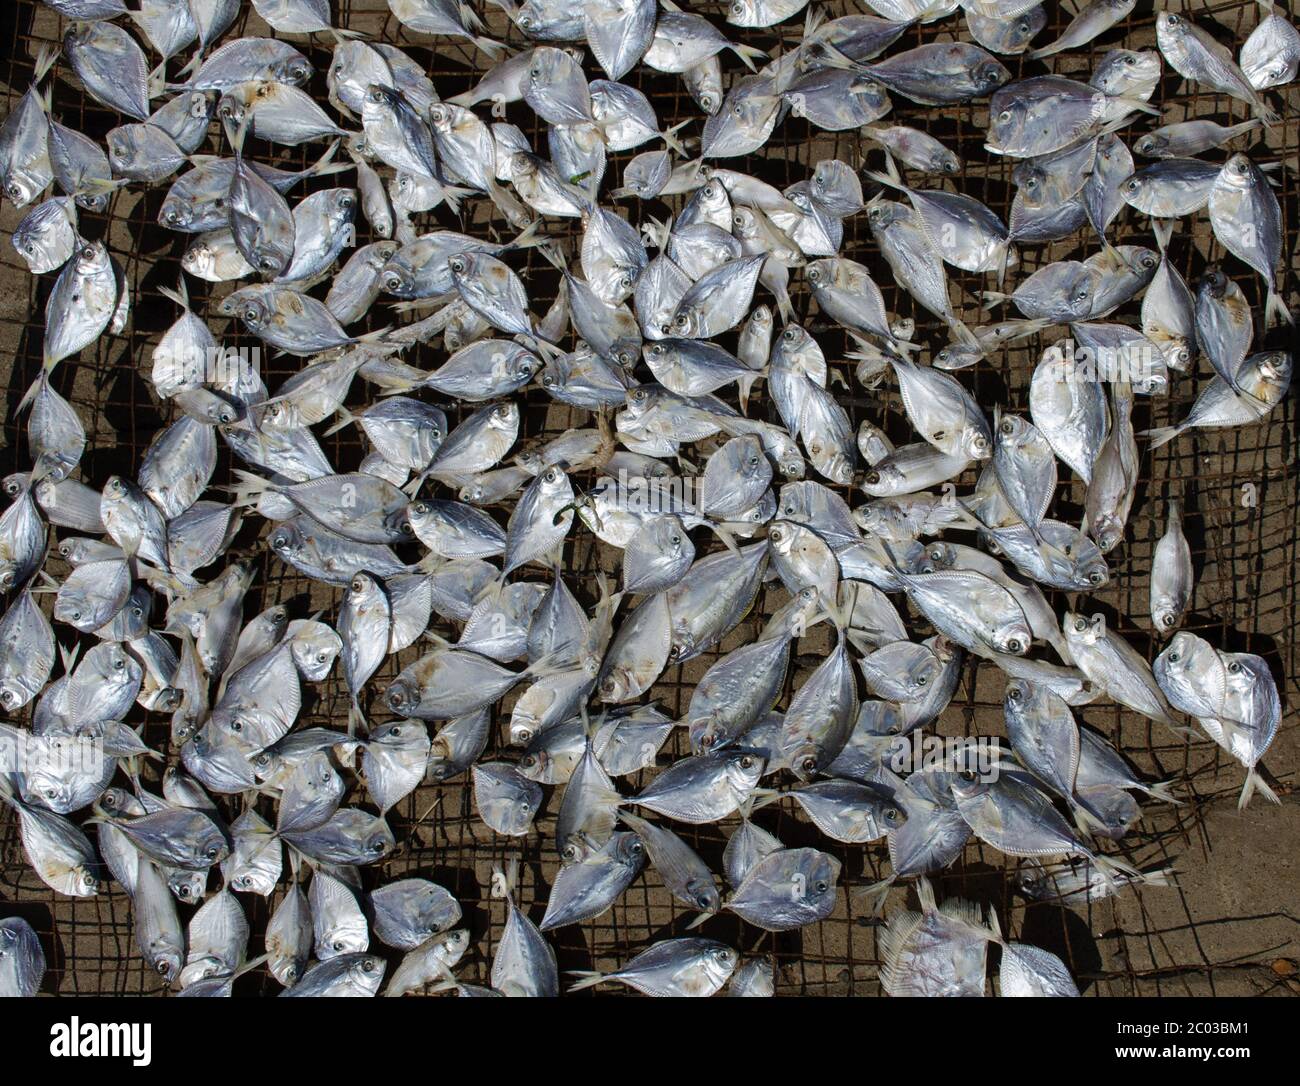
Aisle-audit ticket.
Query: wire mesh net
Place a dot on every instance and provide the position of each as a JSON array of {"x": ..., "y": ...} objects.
[{"x": 1239, "y": 489}]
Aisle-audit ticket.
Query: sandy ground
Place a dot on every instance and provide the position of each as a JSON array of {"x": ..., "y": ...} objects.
[{"x": 1227, "y": 924}]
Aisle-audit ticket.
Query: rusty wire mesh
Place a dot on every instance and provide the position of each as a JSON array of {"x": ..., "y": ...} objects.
[{"x": 1244, "y": 550}]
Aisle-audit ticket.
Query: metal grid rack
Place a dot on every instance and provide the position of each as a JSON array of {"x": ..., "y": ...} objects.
[{"x": 1242, "y": 550}]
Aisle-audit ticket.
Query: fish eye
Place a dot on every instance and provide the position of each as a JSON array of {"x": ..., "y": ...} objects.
[
  {"x": 457, "y": 265},
  {"x": 1174, "y": 657},
  {"x": 822, "y": 886},
  {"x": 873, "y": 478},
  {"x": 1004, "y": 116},
  {"x": 1096, "y": 577},
  {"x": 706, "y": 101},
  {"x": 1014, "y": 646},
  {"x": 1080, "y": 624},
  {"x": 212, "y": 852},
  {"x": 368, "y": 965},
  {"x": 967, "y": 775}
]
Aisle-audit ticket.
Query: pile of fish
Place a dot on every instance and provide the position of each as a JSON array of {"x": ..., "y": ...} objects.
[{"x": 720, "y": 460}]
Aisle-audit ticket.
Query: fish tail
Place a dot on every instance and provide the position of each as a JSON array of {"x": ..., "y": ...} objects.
[
  {"x": 587, "y": 978},
  {"x": 181, "y": 295},
  {"x": 1161, "y": 791},
  {"x": 45, "y": 59},
  {"x": 728, "y": 540},
  {"x": 345, "y": 419},
  {"x": 35, "y": 386},
  {"x": 326, "y": 164},
  {"x": 1087, "y": 822},
  {"x": 994, "y": 298},
  {"x": 744, "y": 387},
  {"x": 874, "y": 895},
  {"x": 1275, "y": 309},
  {"x": 1255, "y": 783},
  {"x": 411, "y": 490},
  {"x": 516, "y": 212},
  {"x": 1241, "y": 129},
  {"x": 356, "y": 720},
  {"x": 748, "y": 54},
  {"x": 1161, "y": 435},
  {"x": 885, "y": 179},
  {"x": 470, "y": 17},
  {"x": 340, "y": 35},
  {"x": 764, "y": 797},
  {"x": 1163, "y": 229},
  {"x": 529, "y": 237},
  {"x": 1046, "y": 51},
  {"x": 1004, "y": 260},
  {"x": 249, "y": 487},
  {"x": 490, "y": 46},
  {"x": 504, "y": 879},
  {"x": 1264, "y": 113},
  {"x": 1111, "y": 866},
  {"x": 156, "y": 80},
  {"x": 1138, "y": 105},
  {"x": 669, "y": 136},
  {"x": 191, "y": 66}
]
